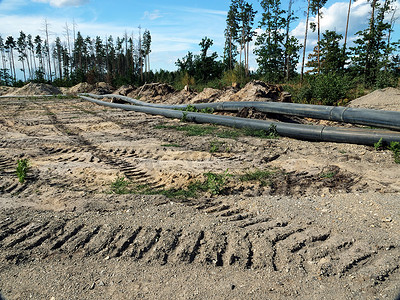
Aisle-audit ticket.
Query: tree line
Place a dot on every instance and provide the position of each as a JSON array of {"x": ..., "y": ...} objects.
[
  {"x": 372, "y": 60},
  {"x": 117, "y": 60}
]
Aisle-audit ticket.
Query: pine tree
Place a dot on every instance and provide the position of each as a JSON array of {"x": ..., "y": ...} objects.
[
  {"x": 9, "y": 46},
  {"x": 370, "y": 50},
  {"x": 330, "y": 54},
  {"x": 231, "y": 34},
  {"x": 270, "y": 51}
]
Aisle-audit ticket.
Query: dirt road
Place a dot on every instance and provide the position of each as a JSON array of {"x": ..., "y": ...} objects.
[{"x": 323, "y": 223}]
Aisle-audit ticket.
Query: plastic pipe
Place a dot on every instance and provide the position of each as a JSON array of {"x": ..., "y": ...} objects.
[
  {"x": 298, "y": 131},
  {"x": 369, "y": 117}
]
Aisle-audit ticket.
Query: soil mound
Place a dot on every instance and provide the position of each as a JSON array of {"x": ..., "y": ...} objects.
[
  {"x": 385, "y": 99},
  {"x": 82, "y": 87},
  {"x": 152, "y": 91},
  {"x": 207, "y": 95},
  {"x": 4, "y": 90},
  {"x": 102, "y": 88},
  {"x": 36, "y": 89},
  {"x": 258, "y": 90},
  {"x": 124, "y": 90}
]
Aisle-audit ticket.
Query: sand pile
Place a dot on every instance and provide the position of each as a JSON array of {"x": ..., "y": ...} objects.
[
  {"x": 102, "y": 88},
  {"x": 82, "y": 87},
  {"x": 207, "y": 95},
  {"x": 36, "y": 89},
  {"x": 4, "y": 90},
  {"x": 385, "y": 99},
  {"x": 152, "y": 91},
  {"x": 124, "y": 90},
  {"x": 258, "y": 90}
]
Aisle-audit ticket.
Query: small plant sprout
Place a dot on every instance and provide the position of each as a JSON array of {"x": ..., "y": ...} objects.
[{"x": 22, "y": 169}]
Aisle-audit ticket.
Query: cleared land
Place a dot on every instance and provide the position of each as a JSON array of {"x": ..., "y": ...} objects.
[{"x": 310, "y": 220}]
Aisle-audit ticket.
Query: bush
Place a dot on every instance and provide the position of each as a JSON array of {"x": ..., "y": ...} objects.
[{"x": 327, "y": 89}]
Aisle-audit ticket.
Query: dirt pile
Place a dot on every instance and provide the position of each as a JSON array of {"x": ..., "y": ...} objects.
[
  {"x": 36, "y": 89},
  {"x": 152, "y": 91},
  {"x": 82, "y": 87},
  {"x": 207, "y": 95},
  {"x": 124, "y": 90},
  {"x": 102, "y": 88},
  {"x": 4, "y": 90},
  {"x": 386, "y": 99}
]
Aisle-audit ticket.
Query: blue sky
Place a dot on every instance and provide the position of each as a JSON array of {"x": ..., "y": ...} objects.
[{"x": 176, "y": 26}]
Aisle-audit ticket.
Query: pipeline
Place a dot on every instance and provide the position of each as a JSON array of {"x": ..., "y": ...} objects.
[
  {"x": 361, "y": 116},
  {"x": 297, "y": 131}
]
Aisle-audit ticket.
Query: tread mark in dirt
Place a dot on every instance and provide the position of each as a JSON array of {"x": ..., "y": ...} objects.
[
  {"x": 79, "y": 241},
  {"x": 13, "y": 229},
  {"x": 67, "y": 237},
  {"x": 189, "y": 246},
  {"x": 104, "y": 239},
  {"x": 24, "y": 234},
  {"x": 144, "y": 242},
  {"x": 239, "y": 250},
  {"x": 125, "y": 239},
  {"x": 167, "y": 244},
  {"x": 130, "y": 171},
  {"x": 214, "y": 247}
]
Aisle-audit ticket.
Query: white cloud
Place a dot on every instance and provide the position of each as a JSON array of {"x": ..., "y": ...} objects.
[
  {"x": 64, "y": 3},
  {"x": 10, "y": 5},
  {"x": 155, "y": 14}
]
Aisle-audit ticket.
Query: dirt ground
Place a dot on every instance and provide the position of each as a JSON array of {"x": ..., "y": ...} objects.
[{"x": 324, "y": 225}]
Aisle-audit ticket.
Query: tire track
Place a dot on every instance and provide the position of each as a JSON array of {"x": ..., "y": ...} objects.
[{"x": 260, "y": 243}]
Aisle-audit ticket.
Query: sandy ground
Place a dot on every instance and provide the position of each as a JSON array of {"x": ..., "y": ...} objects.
[{"x": 324, "y": 225}]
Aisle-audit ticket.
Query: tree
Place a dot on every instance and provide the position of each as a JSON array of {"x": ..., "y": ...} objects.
[
  {"x": 3, "y": 53},
  {"x": 330, "y": 52},
  {"x": 231, "y": 34},
  {"x": 370, "y": 50},
  {"x": 9, "y": 46},
  {"x": 315, "y": 7},
  {"x": 47, "y": 46},
  {"x": 305, "y": 40},
  {"x": 146, "y": 49},
  {"x": 21, "y": 48},
  {"x": 40, "y": 72},
  {"x": 202, "y": 67},
  {"x": 269, "y": 51}
]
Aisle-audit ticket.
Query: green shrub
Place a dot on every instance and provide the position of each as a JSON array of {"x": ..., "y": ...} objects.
[
  {"x": 327, "y": 89},
  {"x": 22, "y": 169},
  {"x": 395, "y": 148},
  {"x": 120, "y": 186}
]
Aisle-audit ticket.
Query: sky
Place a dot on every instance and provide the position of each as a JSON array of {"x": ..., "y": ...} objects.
[{"x": 176, "y": 26}]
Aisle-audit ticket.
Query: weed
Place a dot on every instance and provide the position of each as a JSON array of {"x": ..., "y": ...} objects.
[
  {"x": 395, "y": 148},
  {"x": 379, "y": 145},
  {"x": 215, "y": 182},
  {"x": 327, "y": 175},
  {"x": 120, "y": 186},
  {"x": 230, "y": 134},
  {"x": 192, "y": 108},
  {"x": 184, "y": 117},
  {"x": 257, "y": 175},
  {"x": 22, "y": 169},
  {"x": 215, "y": 146}
]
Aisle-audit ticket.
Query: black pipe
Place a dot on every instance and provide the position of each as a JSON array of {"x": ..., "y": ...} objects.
[
  {"x": 298, "y": 131},
  {"x": 369, "y": 117}
]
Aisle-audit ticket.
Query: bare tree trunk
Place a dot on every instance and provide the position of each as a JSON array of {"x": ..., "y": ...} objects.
[
  {"x": 319, "y": 39},
  {"x": 287, "y": 62},
  {"x": 347, "y": 27},
  {"x": 46, "y": 29},
  {"x": 305, "y": 42}
]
